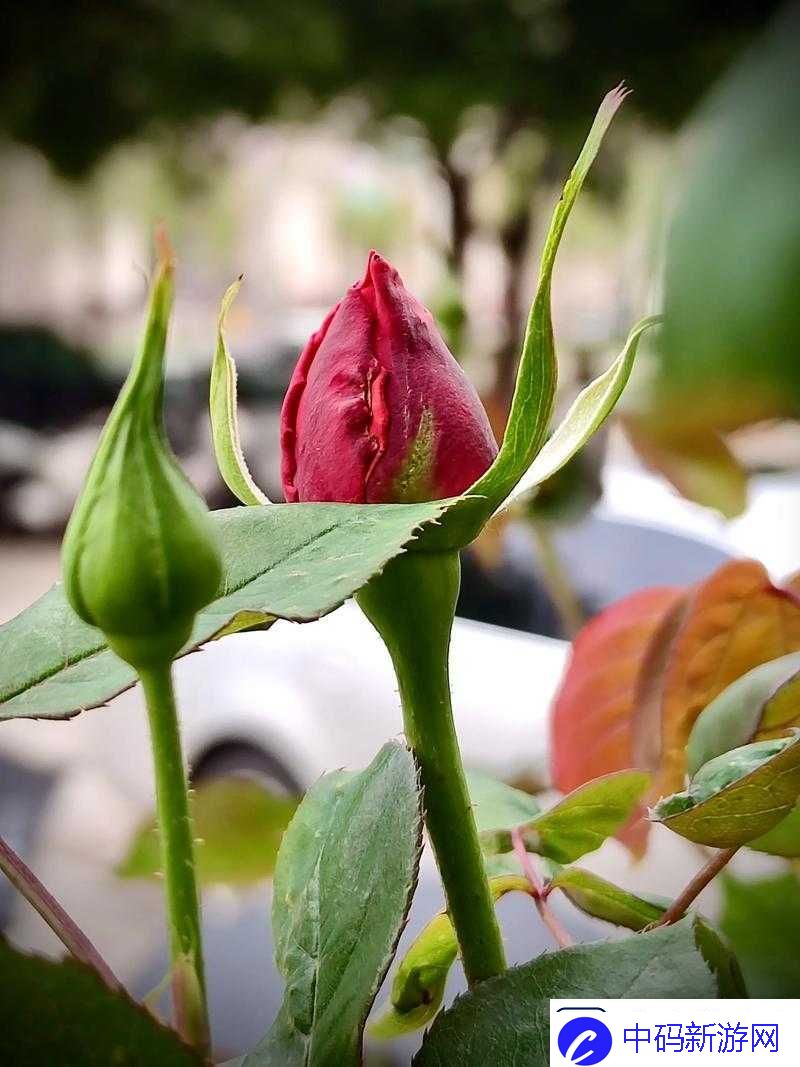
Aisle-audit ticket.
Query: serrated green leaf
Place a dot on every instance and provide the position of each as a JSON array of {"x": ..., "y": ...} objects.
[
  {"x": 505, "y": 1020},
  {"x": 604, "y": 900},
  {"x": 767, "y": 698},
  {"x": 497, "y": 806},
  {"x": 534, "y": 394},
  {"x": 238, "y": 825},
  {"x": 343, "y": 884},
  {"x": 722, "y": 961},
  {"x": 582, "y": 821},
  {"x": 419, "y": 984},
  {"x": 60, "y": 1013},
  {"x": 587, "y": 414},
  {"x": 737, "y": 811},
  {"x": 224, "y": 417},
  {"x": 761, "y": 920},
  {"x": 292, "y": 561}
]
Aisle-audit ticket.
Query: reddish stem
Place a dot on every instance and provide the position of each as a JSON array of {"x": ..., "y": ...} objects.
[
  {"x": 706, "y": 874},
  {"x": 42, "y": 900},
  {"x": 563, "y": 939}
]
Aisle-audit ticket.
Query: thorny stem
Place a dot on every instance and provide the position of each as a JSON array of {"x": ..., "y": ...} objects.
[
  {"x": 177, "y": 857},
  {"x": 42, "y": 900},
  {"x": 563, "y": 939},
  {"x": 706, "y": 874},
  {"x": 411, "y": 604}
]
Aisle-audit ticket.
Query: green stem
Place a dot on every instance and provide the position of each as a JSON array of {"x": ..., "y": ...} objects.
[
  {"x": 412, "y": 604},
  {"x": 177, "y": 856},
  {"x": 556, "y": 580}
]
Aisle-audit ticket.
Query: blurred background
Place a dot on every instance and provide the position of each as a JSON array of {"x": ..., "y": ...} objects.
[{"x": 283, "y": 141}]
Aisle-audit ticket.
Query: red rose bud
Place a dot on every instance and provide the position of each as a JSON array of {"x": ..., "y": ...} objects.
[{"x": 377, "y": 410}]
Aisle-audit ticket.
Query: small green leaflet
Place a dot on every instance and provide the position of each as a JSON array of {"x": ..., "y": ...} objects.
[
  {"x": 497, "y": 806},
  {"x": 346, "y": 871},
  {"x": 726, "y": 812},
  {"x": 595, "y": 896},
  {"x": 766, "y": 698},
  {"x": 580, "y": 822},
  {"x": 587, "y": 414}
]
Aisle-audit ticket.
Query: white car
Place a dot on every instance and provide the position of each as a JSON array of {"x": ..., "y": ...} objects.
[{"x": 298, "y": 700}]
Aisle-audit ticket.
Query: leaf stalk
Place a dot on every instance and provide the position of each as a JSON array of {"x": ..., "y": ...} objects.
[{"x": 704, "y": 876}]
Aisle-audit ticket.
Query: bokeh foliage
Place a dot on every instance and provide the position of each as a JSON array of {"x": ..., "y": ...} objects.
[{"x": 79, "y": 78}]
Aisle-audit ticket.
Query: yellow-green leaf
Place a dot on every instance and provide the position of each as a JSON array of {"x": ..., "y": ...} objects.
[
  {"x": 238, "y": 825},
  {"x": 418, "y": 986},
  {"x": 224, "y": 415}
]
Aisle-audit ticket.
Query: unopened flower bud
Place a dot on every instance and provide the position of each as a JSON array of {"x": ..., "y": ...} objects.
[
  {"x": 378, "y": 410},
  {"x": 140, "y": 554}
]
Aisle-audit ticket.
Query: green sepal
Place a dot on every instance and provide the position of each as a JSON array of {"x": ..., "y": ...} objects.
[
  {"x": 534, "y": 394},
  {"x": 223, "y": 410}
]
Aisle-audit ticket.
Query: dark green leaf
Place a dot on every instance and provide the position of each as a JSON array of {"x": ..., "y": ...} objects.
[
  {"x": 725, "y": 813},
  {"x": 505, "y": 1020},
  {"x": 761, "y": 920},
  {"x": 720, "y": 958},
  {"x": 343, "y": 884},
  {"x": 604, "y": 900},
  {"x": 238, "y": 825},
  {"x": 61, "y": 1014},
  {"x": 497, "y": 806},
  {"x": 582, "y": 821},
  {"x": 292, "y": 561},
  {"x": 766, "y": 698}
]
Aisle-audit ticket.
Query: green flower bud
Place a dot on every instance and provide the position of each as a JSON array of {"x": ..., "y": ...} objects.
[{"x": 140, "y": 555}]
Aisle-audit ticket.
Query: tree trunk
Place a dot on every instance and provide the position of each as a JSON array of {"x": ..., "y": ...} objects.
[
  {"x": 514, "y": 239},
  {"x": 461, "y": 226}
]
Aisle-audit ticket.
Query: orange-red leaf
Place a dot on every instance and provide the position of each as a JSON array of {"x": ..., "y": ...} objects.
[
  {"x": 591, "y": 719},
  {"x": 735, "y": 620}
]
